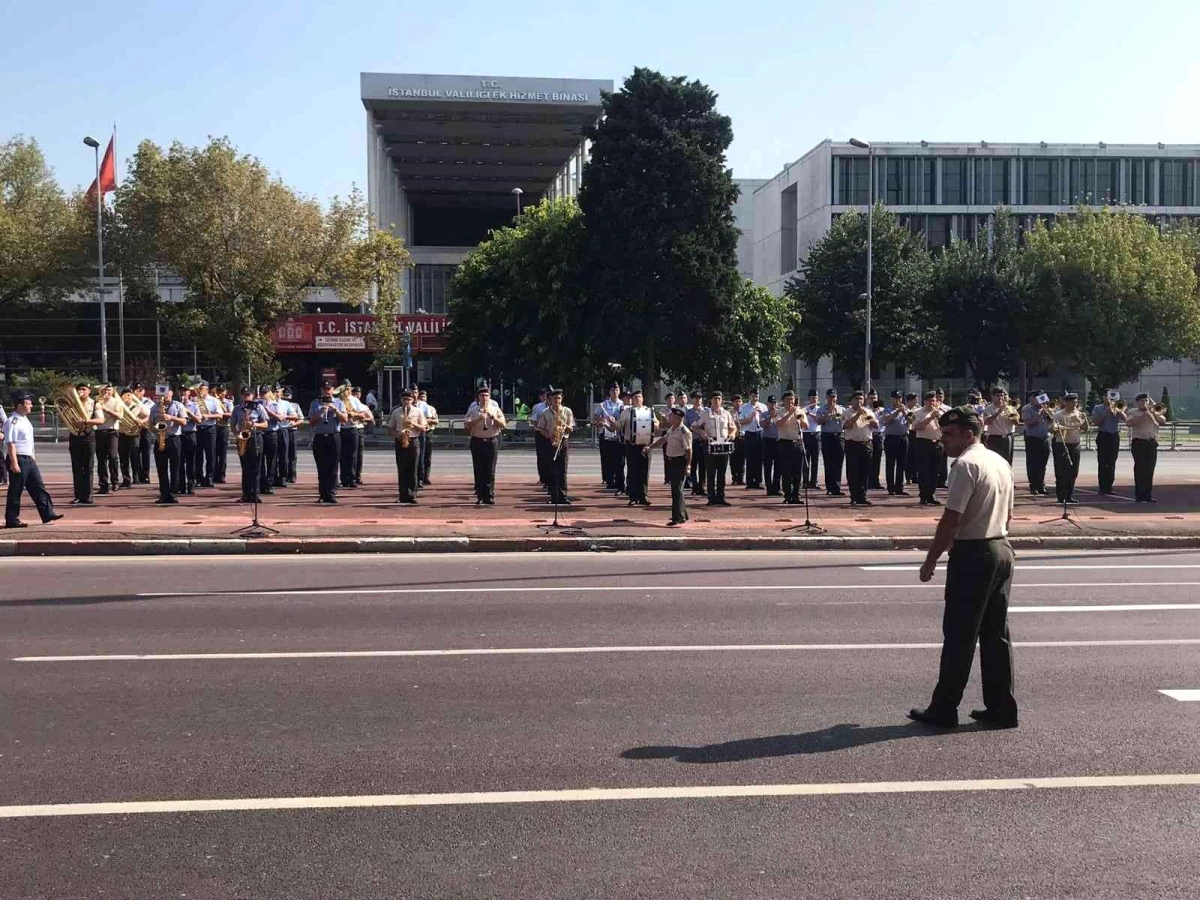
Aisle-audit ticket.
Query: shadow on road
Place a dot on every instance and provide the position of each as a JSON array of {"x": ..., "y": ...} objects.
[{"x": 825, "y": 740}]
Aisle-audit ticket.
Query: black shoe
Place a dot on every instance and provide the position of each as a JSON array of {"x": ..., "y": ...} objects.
[
  {"x": 268, "y": 490},
  {"x": 102, "y": 490},
  {"x": 479, "y": 502},
  {"x": 991, "y": 719},
  {"x": 935, "y": 718},
  {"x": 723, "y": 502},
  {"x": 643, "y": 503},
  {"x": 902, "y": 494},
  {"x": 671, "y": 523},
  {"x": 189, "y": 492},
  {"x": 87, "y": 502},
  {"x": 489, "y": 502},
  {"x": 17, "y": 524},
  {"x": 1071, "y": 501},
  {"x": 53, "y": 518},
  {"x": 874, "y": 487},
  {"x": 125, "y": 485},
  {"x": 861, "y": 503},
  {"x": 166, "y": 500}
]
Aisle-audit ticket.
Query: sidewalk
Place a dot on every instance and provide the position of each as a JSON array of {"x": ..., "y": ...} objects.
[{"x": 447, "y": 518}]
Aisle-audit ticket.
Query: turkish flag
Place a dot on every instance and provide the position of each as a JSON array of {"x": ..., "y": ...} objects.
[{"x": 108, "y": 173}]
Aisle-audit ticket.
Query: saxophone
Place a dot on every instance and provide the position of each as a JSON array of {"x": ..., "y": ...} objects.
[
  {"x": 245, "y": 434},
  {"x": 160, "y": 427},
  {"x": 405, "y": 433}
]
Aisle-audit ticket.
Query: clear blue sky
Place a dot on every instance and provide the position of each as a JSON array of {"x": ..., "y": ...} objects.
[{"x": 281, "y": 78}]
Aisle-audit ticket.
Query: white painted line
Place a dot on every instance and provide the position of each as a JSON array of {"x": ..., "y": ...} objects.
[
  {"x": 1019, "y": 568},
  {"x": 641, "y": 589},
  {"x": 1114, "y": 607},
  {"x": 557, "y": 651},
  {"x": 585, "y": 795},
  {"x": 1185, "y": 695}
]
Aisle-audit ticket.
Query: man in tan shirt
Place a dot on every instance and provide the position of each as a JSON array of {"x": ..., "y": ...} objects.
[
  {"x": 928, "y": 437},
  {"x": 484, "y": 422},
  {"x": 406, "y": 424},
  {"x": 1069, "y": 423},
  {"x": 557, "y": 415},
  {"x": 858, "y": 423},
  {"x": 1144, "y": 423},
  {"x": 677, "y": 442},
  {"x": 791, "y": 422},
  {"x": 979, "y": 502}
]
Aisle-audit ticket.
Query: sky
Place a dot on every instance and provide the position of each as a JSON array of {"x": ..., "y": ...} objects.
[{"x": 280, "y": 79}]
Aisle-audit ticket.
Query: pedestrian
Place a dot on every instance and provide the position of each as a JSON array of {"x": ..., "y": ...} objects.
[
  {"x": 23, "y": 472},
  {"x": 974, "y": 527}
]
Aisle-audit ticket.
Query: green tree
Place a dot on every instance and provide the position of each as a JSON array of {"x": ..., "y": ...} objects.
[
  {"x": 1113, "y": 294},
  {"x": 660, "y": 250},
  {"x": 829, "y": 294},
  {"x": 981, "y": 282},
  {"x": 43, "y": 233},
  {"x": 746, "y": 351},
  {"x": 518, "y": 310},
  {"x": 246, "y": 245}
]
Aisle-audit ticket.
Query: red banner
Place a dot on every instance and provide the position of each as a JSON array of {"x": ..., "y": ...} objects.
[{"x": 346, "y": 332}]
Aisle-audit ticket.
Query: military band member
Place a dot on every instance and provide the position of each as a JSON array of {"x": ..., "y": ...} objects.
[
  {"x": 833, "y": 448},
  {"x": 221, "y": 450},
  {"x": 677, "y": 441},
  {"x": 283, "y": 437},
  {"x": 187, "y": 443},
  {"x": 170, "y": 412},
  {"x": 326, "y": 415},
  {"x": 638, "y": 427},
  {"x": 697, "y": 470},
  {"x": 943, "y": 466},
  {"x": 872, "y": 403},
  {"x": 790, "y": 424},
  {"x": 3, "y": 448},
  {"x": 251, "y": 416},
  {"x": 23, "y": 472},
  {"x": 484, "y": 422},
  {"x": 737, "y": 459},
  {"x": 269, "y": 441},
  {"x": 857, "y": 423},
  {"x": 1107, "y": 419},
  {"x": 669, "y": 403},
  {"x": 206, "y": 436},
  {"x": 348, "y": 440},
  {"x": 127, "y": 444},
  {"x": 770, "y": 447},
  {"x": 557, "y": 420},
  {"x": 431, "y": 419},
  {"x": 913, "y": 402},
  {"x": 812, "y": 439},
  {"x": 715, "y": 426},
  {"x": 1144, "y": 423},
  {"x": 295, "y": 417},
  {"x": 1000, "y": 424},
  {"x": 539, "y": 440},
  {"x": 107, "y": 443},
  {"x": 145, "y": 439},
  {"x": 1038, "y": 419},
  {"x": 928, "y": 448},
  {"x": 612, "y": 452},
  {"x": 974, "y": 526},
  {"x": 82, "y": 445},
  {"x": 1069, "y": 423},
  {"x": 895, "y": 443},
  {"x": 406, "y": 425},
  {"x": 750, "y": 425}
]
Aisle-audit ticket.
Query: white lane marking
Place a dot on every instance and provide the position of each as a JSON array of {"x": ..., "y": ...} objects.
[
  {"x": 630, "y": 588},
  {"x": 1019, "y": 568},
  {"x": 549, "y": 651},
  {"x": 1185, "y": 695},
  {"x": 1112, "y": 607},
  {"x": 501, "y": 798}
]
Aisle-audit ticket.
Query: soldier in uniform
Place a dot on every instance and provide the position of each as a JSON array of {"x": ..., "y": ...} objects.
[
  {"x": 145, "y": 440},
  {"x": 171, "y": 413},
  {"x": 770, "y": 447},
  {"x": 750, "y": 424},
  {"x": 187, "y": 439},
  {"x": 998, "y": 420},
  {"x": 326, "y": 415},
  {"x": 206, "y": 436},
  {"x": 251, "y": 416},
  {"x": 895, "y": 443},
  {"x": 873, "y": 403},
  {"x": 715, "y": 425},
  {"x": 295, "y": 417},
  {"x": 928, "y": 442},
  {"x": 812, "y": 439},
  {"x": 604, "y": 418},
  {"x": 539, "y": 441},
  {"x": 944, "y": 463},
  {"x": 364, "y": 418},
  {"x": 833, "y": 448},
  {"x": 1038, "y": 420},
  {"x": 737, "y": 459},
  {"x": 1144, "y": 423},
  {"x": 858, "y": 422},
  {"x": 406, "y": 425},
  {"x": 637, "y": 427},
  {"x": 276, "y": 421},
  {"x": 1107, "y": 419},
  {"x": 669, "y": 403},
  {"x": 790, "y": 423},
  {"x": 283, "y": 437},
  {"x": 127, "y": 444},
  {"x": 1069, "y": 424},
  {"x": 107, "y": 441},
  {"x": 348, "y": 442},
  {"x": 23, "y": 472},
  {"x": 559, "y": 456},
  {"x": 429, "y": 411},
  {"x": 974, "y": 527},
  {"x": 484, "y": 422},
  {"x": 677, "y": 441},
  {"x": 698, "y": 473},
  {"x": 82, "y": 446}
]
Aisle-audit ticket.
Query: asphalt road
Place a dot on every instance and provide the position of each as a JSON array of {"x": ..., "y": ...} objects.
[{"x": 340, "y": 727}]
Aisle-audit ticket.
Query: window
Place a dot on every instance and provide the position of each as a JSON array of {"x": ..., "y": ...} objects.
[
  {"x": 937, "y": 232},
  {"x": 928, "y": 181},
  {"x": 1140, "y": 178},
  {"x": 1042, "y": 182},
  {"x": 954, "y": 182},
  {"x": 853, "y": 181},
  {"x": 1175, "y": 186},
  {"x": 788, "y": 211},
  {"x": 1083, "y": 176},
  {"x": 991, "y": 182},
  {"x": 899, "y": 182},
  {"x": 431, "y": 288},
  {"x": 1107, "y": 173}
]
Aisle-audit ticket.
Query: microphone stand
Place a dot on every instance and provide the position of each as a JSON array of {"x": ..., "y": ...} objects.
[
  {"x": 255, "y": 529},
  {"x": 808, "y": 525}
]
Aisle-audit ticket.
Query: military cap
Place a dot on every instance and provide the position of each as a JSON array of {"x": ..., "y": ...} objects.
[{"x": 960, "y": 415}]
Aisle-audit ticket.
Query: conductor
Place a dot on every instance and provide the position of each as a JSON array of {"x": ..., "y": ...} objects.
[{"x": 974, "y": 526}]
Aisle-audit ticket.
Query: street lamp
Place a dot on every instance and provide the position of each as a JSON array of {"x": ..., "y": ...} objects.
[
  {"x": 95, "y": 145},
  {"x": 863, "y": 145},
  {"x": 517, "y": 192}
]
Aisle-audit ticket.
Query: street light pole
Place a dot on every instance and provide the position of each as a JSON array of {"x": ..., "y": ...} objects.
[
  {"x": 870, "y": 255},
  {"x": 517, "y": 192},
  {"x": 95, "y": 145}
]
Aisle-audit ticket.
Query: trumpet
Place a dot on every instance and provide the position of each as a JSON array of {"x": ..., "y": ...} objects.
[
  {"x": 1120, "y": 406},
  {"x": 1159, "y": 408}
]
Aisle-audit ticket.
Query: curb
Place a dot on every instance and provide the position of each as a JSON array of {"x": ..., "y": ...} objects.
[{"x": 546, "y": 544}]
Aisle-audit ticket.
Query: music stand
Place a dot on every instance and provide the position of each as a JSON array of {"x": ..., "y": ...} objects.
[{"x": 808, "y": 526}]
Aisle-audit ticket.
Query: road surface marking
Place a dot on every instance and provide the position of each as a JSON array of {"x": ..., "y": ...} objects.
[
  {"x": 1055, "y": 567},
  {"x": 632, "y": 588},
  {"x": 550, "y": 651},
  {"x": 502, "y": 798},
  {"x": 1185, "y": 695}
]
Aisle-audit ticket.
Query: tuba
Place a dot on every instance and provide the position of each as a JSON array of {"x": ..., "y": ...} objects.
[
  {"x": 130, "y": 423},
  {"x": 70, "y": 408}
]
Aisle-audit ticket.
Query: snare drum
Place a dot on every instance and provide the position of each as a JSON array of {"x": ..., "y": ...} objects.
[{"x": 720, "y": 448}]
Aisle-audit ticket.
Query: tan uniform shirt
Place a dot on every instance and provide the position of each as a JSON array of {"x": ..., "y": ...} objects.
[
  {"x": 547, "y": 421},
  {"x": 931, "y": 432},
  {"x": 862, "y": 431},
  {"x": 980, "y": 490},
  {"x": 678, "y": 441},
  {"x": 789, "y": 426},
  {"x": 718, "y": 426},
  {"x": 1002, "y": 425},
  {"x": 1069, "y": 425},
  {"x": 1144, "y": 425},
  {"x": 484, "y": 426},
  {"x": 397, "y": 419}
]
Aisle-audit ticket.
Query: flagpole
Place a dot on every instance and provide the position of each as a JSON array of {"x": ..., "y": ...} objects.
[
  {"x": 120, "y": 280},
  {"x": 100, "y": 265}
]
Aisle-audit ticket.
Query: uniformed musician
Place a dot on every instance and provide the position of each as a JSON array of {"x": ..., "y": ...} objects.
[
  {"x": 326, "y": 415},
  {"x": 716, "y": 427},
  {"x": 1144, "y": 423},
  {"x": 770, "y": 447},
  {"x": 295, "y": 417},
  {"x": 833, "y": 449},
  {"x": 145, "y": 441},
  {"x": 677, "y": 441},
  {"x": 221, "y": 452},
  {"x": 913, "y": 402},
  {"x": 857, "y": 421},
  {"x": 406, "y": 425},
  {"x": 187, "y": 443},
  {"x": 82, "y": 445},
  {"x": 750, "y": 424},
  {"x": 697, "y": 471},
  {"x": 612, "y": 451},
  {"x": 928, "y": 448},
  {"x": 283, "y": 437},
  {"x": 429, "y": 411},
  {"x": 557, "y": 420},
  {"x": 790, "y": 423},
  {"x": 944, "y": 463},
  {"x": 637, "y": 427},
  {"x": 364, "y": 418},
  {"x": 812, "y": 440},
  {"x": 348, "y": 436},
  {"x": 484, "y": 423},
  {"x": 1107, "y": 419},
  {"x": 895, "y": 443},
  {"x": 170, "y": 412},
  {"x": 127, "y": 444},
  {"x": 974, "y": 527},
  {"x": 270, "y": 441},
  {"x": 3, "y": 447},
  {"x": 251, "y": 416},
  {"x": 23, "y": 472},
  {"x": 206, "y": 436},
  {"x": 539, "y": 440},
  {"x": 669, "y": 404},
  {"x": 872, "y": 403},
  {"x": 737, "y": 459},
  {"x": 1000, "y": 424},
  {"x": 107, "y": 442},
  {"x": 1069, "y": 424},
  {"x": 1038, "y": 418}
]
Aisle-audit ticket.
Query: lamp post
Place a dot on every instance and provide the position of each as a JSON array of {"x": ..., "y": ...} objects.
[
  {"x": 863, "y": 145},
  {"x": 517, "y": 192},
  {"x": 95, "y": 145}
]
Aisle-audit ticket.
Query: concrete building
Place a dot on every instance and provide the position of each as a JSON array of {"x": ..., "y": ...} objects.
[{"x": 944, "y": 191}]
